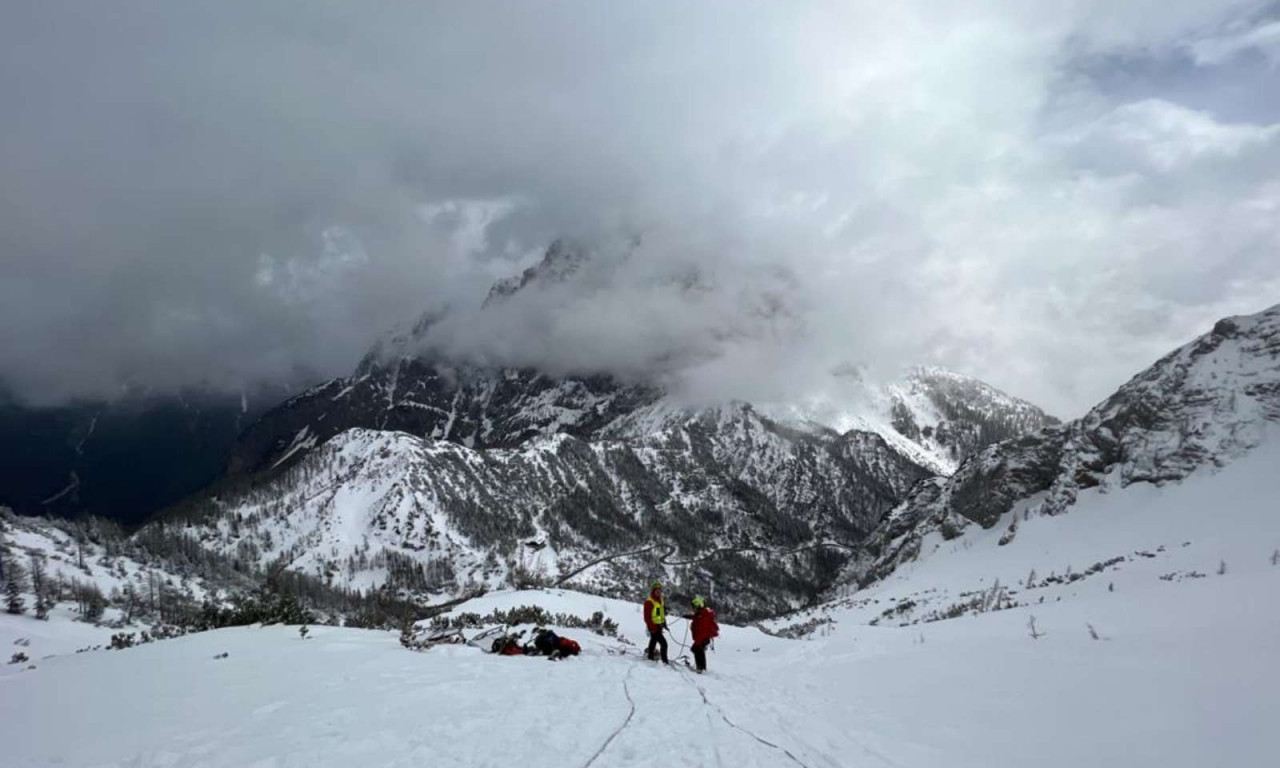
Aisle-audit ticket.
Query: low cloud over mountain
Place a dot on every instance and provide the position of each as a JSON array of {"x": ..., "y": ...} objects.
[{"x": 208, "y": 194}]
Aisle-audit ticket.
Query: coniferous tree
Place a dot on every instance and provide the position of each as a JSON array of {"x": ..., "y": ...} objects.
[
  {"x": 129, "y": 600},
  {"x": 40, "y": 586},
  {"x": 14, "y": 584},
  {"x": 95, "y": 607}
]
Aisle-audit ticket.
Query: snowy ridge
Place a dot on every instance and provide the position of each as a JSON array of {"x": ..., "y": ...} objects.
[
  {"x": 468, "y": 405},
  {"x": 563, "y": 259},
  {"x": 1200, "y": 407},
  {"x": 933, "y": 416}
]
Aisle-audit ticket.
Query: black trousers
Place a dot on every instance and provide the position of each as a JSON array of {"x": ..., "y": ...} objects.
[
  {"x": 656, "y": 639},
  {"x": 700, "y": 655}
]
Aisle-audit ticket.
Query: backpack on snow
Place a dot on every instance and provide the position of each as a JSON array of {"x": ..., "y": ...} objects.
[
  {"x": 546, "y": 642},
  {"x": 507, "y": 645}
]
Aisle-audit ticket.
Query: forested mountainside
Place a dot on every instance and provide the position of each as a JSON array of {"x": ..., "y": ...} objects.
[{"x": 726, "y": 480}]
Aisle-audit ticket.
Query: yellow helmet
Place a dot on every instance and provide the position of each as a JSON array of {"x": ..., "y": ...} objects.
[{"x": 699, "y": 602}]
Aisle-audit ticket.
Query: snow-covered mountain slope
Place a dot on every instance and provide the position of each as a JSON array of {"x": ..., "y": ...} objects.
[
  {"x": 714, "y": 495},
  {"x": 1144, "y": 542},
  {"x": 952, "y": 416},
  {"x": 1202, "y": 406},
  {"x": 933, "y": 416},
  {"x": 97, "y": 553},
  {"x": 1165, "y": 688}
]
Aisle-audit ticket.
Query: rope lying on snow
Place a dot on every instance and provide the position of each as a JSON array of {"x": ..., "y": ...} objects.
[
  {"x": 684, "y": 674},
  {"x": 626, "y": 689},
  {"x": 766, "y": 742}
]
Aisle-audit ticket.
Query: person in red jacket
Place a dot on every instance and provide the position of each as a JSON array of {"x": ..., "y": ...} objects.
[
  {"x": 655, "y": 620},
  {"x": 704, "y": 629}
]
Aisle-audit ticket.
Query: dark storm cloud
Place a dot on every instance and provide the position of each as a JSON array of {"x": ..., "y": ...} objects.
[{"x": 213, "y": 192}]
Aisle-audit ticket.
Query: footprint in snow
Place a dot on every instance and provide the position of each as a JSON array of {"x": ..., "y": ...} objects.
[{"x": 268, "y": 709}]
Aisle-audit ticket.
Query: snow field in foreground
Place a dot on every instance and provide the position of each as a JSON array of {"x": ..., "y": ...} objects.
[{"x": 977, "y": 692}]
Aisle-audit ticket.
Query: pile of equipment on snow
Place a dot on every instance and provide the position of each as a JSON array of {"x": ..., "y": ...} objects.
[
  {"x": 543, "y": 642},
  {"x": 501, "y": 641}
]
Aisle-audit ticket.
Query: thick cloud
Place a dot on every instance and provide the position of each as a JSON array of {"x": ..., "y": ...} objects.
[{"x": 1047, "y": 195}]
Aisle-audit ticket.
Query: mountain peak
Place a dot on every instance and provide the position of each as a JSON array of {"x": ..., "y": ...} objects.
[{"x": 563, "y": 258}]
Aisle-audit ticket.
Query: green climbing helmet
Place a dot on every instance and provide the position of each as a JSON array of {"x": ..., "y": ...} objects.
[
  {"x": 655, "y": 585},
  {"x": 699, "y": 602}
]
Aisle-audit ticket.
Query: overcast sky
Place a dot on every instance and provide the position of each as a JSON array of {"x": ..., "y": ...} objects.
[{"x": 1048, "y": 195}]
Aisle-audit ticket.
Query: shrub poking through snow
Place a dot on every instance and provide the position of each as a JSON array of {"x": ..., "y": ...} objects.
[
  {"x": 528, "y": 614},
  {"x": 1036, "y": 634},
  {"x": 809, "y": 627},
  {"x": 1010, "y": 533}
]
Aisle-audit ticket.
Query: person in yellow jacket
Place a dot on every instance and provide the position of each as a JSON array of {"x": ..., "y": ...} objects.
[{"x": 655, "y": 619}]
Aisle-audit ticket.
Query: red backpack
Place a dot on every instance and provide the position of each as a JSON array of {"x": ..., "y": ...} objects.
[
  {"x": 569, "y": 647},
  {"x": 704, "y": 625}
]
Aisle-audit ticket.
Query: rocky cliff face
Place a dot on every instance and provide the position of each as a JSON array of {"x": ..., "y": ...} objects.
[
  {"x": 1202, "y": 406},
  {"x": 470, "y": 406}
]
